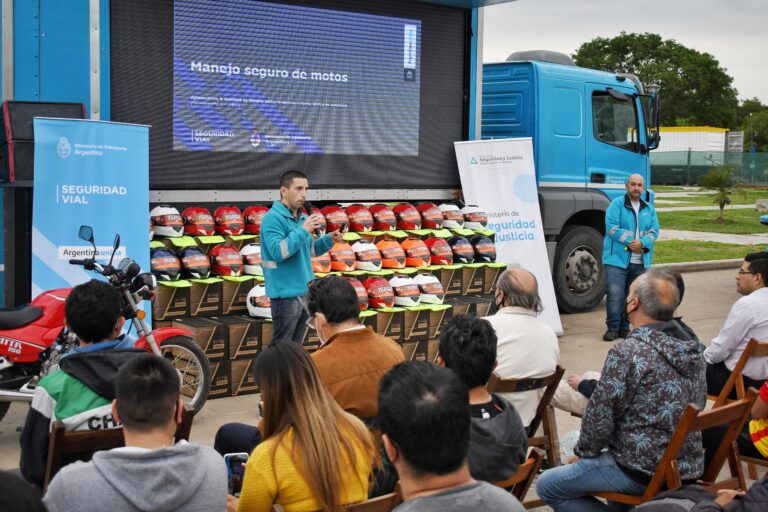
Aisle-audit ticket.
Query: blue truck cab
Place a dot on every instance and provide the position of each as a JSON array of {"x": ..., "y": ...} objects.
[{"x": 591, "y": 130}]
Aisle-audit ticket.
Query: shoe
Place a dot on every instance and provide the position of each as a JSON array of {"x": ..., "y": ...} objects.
[
  {"x": 624, "y": 333},
  {"x": 610, "y": 335}
]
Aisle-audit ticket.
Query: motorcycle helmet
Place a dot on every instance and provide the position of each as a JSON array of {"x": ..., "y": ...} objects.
[
  {"x": 360, "y": 219},
  {"x": 440, "y": 251},
  {"x": 452, "y": 216},
  {"x": 367, "y": 256},
  {"x": 164, "y": 264},
  {"x": 474, "y": 217},
  {"x": 323, "y": 225},
  {"x": 407, "y": 216},
  {"x": 335, "y": 218},
  {"x": 416, "y": 253},
  {"x": 485, "y": 250},
  {"x": 252, "y": 216},
  {"x": 380, "y": 293},
  {"x": 258, "y": 303},
  {"x": 321, "y": 264},
  {"x": 383, "y": 217},
  {"x": 229, "y": 220},
  {"x": 463, "y": 252},
  {"x": 226, "y": 260},
  {"x": 194, "y": 263},
  {"x": 198, "y": 221},
  {"x": 342, "y": 257},
  {"x": 406, "y": 290},
  {"x": 392, "y": 254},
  {"x": 432, "y": 291},
  {"x": 431, "y": 216},
  {"x": 167, "y": 221},
  {"x": 251, "y": 254},
  {"x": 362, "y": 293},
  {"x": 151, "y": 229}
]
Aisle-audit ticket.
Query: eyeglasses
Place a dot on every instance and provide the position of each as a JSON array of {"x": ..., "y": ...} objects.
[{"x": 742, "y": 272}]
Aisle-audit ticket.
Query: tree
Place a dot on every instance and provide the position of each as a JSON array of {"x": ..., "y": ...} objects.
[
  {"x": 720, "y": 181},
  {"x": 695, "y": 89},
  {"x": 758, "y": 123}
]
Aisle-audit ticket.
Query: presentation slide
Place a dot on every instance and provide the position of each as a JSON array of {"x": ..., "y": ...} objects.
[{"x": 255, "y": 77}]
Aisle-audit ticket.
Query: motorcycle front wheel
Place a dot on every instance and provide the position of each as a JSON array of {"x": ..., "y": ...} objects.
[{"x": 193, "y": 367}]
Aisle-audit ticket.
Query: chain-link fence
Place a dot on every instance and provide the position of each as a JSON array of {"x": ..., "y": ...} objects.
[{"x": 687, "y": 167}]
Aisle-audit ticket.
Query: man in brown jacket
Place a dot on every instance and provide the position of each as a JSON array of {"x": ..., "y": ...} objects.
[{"x": 352, "y": 358}]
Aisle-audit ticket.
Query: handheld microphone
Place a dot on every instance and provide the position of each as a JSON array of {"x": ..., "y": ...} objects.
[{"x": 309, "y": 207}]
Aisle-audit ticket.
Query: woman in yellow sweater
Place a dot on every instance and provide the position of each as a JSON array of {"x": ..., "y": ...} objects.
[{"x": 314, "y": 455}]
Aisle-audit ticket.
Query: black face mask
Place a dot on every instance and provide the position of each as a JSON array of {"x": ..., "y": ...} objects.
[{"x": 624, "y": 316}]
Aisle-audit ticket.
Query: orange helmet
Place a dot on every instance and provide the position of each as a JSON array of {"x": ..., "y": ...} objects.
[
  {"x": 407, "y": 216},
  {"x": 416, "y": 253},
  {"x": 383, "y": 217},
  {"x": 392, "y": 254},
  {"x": 321, "y": 264},
  {"x": 342, "y": 257},
  {"x": 360, "y": 219}
]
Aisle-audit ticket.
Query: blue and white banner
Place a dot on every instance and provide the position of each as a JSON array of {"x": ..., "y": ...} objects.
[
  {"x": 499, "y": 176},
  {"x": 94, "y": 173}
]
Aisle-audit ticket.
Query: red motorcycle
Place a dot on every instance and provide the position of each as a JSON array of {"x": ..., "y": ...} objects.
[{"x": 33, "y": 337}]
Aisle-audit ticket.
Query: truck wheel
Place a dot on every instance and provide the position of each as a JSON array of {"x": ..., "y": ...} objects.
[{"x": 578, "y": 271}]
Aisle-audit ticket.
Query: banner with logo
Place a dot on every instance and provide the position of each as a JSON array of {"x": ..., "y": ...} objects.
[
  {"x": 499, "y": 177},
  {"x": 94, "y": 173}
]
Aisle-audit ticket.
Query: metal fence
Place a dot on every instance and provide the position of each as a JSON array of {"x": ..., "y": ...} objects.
[{"x": 687, "y": 167}]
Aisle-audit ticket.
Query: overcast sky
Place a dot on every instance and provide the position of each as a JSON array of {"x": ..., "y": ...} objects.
[{"x": 735, "y": 32}]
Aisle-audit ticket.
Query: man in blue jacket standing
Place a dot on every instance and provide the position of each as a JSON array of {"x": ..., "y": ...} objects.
[
  {"x": 631, "y": 228},
  {"x": 287, "y": 246}
]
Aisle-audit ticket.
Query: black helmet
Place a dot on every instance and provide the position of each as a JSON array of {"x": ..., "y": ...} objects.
[
  {"x": 194, "y": 263},
  {"x": 164, "y": 264},
  {"x": 485, "y": 251},
  {"x": 463, "y": 252}
]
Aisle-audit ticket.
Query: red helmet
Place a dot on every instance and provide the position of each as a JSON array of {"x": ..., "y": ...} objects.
[
  {"x": 198, "y": 221},
  {"x": 342, "y": 257},
  {"x": 485, "y": 250},
  {"x": 441, "y": 253},
  {"x": 392, "y": 254},
  {"x": 416, "y": 253},
  {"x": 334, "y": 217},
  {"x": 380, "y": 293},
  {"x": 360, "y": 219},
  {"x": 226, "y": 260},
  {"x": 431, "y": 216},
  {"x": 407, "y": 216},
  {"x": 383, "y": 217},
  {"x": 321, "y": 264},
  {"x": 463, "y": 252},
  {"x": 253, "y": 215},
  {"x": 316, "y": 211},
  {"x": 362, "y": 293},
  {"x": 229, "y": 220}
]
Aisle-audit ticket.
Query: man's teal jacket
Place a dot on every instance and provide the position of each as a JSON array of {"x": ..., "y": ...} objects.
[{"x": 620, "y": 223}]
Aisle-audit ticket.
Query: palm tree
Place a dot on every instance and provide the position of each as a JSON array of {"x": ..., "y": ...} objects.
[{"x": 720, "y": 180}]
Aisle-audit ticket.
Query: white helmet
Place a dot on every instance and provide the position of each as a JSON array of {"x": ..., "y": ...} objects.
[
  {"x": 258, "y": 302},
  {"x": 251, "y": 254},
  {"x": 474, "y": 217},
  {"x": 432, "y": 291},
  {"x": 167, "y": 221},
  {"x": 406, "y": 290},
  {"x": 452, "y": 216},
  {"x": 367, "y": 256}
]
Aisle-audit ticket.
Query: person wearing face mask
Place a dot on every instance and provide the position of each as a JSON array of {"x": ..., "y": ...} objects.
[{"x": 352, "y": 358}]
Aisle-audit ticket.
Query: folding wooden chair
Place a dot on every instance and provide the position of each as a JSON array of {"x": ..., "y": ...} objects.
[
  {"x": 83, "y": 443},
  {"x": 667, "y": 475},
  {"x": 521, "y": 481},
  {"x": 384, "y": 503}
]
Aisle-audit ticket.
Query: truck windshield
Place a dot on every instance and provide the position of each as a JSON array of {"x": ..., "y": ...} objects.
[{"x": 614, "y": 121}]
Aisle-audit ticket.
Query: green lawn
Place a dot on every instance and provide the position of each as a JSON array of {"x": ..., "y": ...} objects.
[
  {"x": 668, "y": 188},
  {"x": 748, "y": 196},
  {"x": 680, "y": 251},
  {"x": 738, "y": 222}
]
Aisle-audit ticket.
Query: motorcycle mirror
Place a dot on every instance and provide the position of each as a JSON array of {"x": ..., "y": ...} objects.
[
  {"x": 86, "y": 233},
  {"x": 115, "y": 247}
]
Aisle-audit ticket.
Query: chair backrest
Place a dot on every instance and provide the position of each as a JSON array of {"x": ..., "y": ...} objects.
[
  {"x": 521, "y": 481},
  {"x": 498, "y": 385},
  {"x": 384, "y": 503},
  {"x": 83, "y": 443},
  {"x": 754, "y": 348}
]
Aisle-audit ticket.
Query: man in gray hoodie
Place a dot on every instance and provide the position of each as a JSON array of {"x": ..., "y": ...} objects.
[{"x": 150, "y": 473}]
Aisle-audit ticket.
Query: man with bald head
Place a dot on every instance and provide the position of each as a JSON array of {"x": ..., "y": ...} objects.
[
  {"x": 526, "y": 347},
  {"x": 646, "y": 383},
  {"x": 631, "y": 228}
]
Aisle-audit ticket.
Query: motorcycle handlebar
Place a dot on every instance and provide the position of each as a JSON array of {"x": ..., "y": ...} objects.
[{"x": 88, "y": 264}]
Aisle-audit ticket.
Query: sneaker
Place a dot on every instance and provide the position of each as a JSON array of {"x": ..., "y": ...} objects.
[
  {"x": 610, "y": 335},
  {"x": 623, "y": 333}
]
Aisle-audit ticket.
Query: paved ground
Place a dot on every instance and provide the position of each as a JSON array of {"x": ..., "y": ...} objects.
[{"x": 708, "y": 297}]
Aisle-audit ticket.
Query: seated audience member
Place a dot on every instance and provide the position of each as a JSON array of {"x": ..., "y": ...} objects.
[
  {"x": 694, "y": 498},
  {"x": 527, "y": 347},
  {"x": 647, "y": 381},
  {"x": 150, "y": 472},
  {"x": 314, "y": 456},
  {"x": 18, "y": 495},
  {"x": 748, "y": 318},
  {"x": 425, "y": 422},
  {"x": 80, "y": 393},
  {"x": 498, "y": 443}
]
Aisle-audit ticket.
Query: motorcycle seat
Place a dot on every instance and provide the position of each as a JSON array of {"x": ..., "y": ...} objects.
[{"x": 19, "y": 317}]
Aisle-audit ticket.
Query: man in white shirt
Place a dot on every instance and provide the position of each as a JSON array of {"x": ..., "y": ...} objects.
[
  {"x": 527, "y": 347},
  {"x": 748, "y": 318}
]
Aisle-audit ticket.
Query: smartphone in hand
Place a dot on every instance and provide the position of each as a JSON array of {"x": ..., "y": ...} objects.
[{"x": 235, "y": 471}]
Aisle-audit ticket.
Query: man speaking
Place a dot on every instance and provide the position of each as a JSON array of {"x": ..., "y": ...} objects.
[{"x": 287, "y": 246}]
